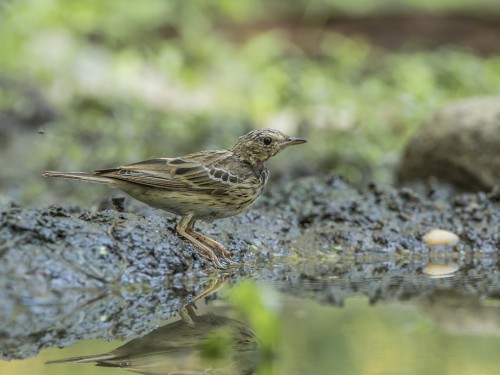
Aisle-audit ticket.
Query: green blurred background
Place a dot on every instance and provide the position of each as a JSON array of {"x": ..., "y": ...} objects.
[{"x": 96, "y": 83}]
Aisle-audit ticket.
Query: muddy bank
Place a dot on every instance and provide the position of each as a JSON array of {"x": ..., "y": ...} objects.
[{"x": 69, "y": 274}]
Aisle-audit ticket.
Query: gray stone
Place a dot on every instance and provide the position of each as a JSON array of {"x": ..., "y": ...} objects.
[{"x": 459, "y": 144}]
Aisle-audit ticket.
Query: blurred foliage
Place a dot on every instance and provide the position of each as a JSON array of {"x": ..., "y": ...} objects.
[
  {"x": 260, "y": 306},
  {"x": 161, "y": 78}
]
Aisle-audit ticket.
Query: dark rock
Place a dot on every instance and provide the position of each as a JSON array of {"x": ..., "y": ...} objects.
[{"x": 460, "y": 144}]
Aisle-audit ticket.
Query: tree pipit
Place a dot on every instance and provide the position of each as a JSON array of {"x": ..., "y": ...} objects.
[{"x": 205, "y": 185}]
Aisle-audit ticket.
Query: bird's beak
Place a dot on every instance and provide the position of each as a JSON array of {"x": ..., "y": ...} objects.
[{"x": 293, "y": 141}]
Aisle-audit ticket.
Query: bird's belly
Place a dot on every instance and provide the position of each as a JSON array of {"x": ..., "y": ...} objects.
[
  {"x": 205, "y": 207},
  {"x": 222, "y": 207}
]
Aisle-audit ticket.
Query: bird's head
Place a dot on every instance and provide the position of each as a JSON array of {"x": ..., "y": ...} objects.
[{"x": 259, "y": 145}]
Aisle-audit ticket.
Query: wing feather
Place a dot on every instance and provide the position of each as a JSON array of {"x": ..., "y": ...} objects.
[{"x": 181, "y": 174}]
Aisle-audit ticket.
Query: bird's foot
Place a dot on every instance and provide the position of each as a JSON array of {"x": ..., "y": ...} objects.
[
  {"x": 207, "y": 245},
  {"x": 211, "y": 243}
]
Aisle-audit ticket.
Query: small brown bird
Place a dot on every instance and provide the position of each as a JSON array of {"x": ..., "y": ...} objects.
[{"x": 205, "y": 185}]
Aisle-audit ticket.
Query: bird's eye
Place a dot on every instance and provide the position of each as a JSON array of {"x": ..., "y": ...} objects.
[{"x": 267, "y": 140}]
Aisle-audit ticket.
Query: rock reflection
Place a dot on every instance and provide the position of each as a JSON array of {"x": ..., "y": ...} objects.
[
  {"x": 195, "y": 344},
  {"x": 462, "y": 312}
]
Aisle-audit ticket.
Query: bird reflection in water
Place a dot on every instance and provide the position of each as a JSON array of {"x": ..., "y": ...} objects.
[{"x": 195, "y": 344}]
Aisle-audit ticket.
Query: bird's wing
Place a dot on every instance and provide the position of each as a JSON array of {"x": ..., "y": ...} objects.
[{"x": 193, "y": 172}]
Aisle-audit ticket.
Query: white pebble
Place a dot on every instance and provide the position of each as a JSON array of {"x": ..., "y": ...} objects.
[{"x": 438, "y": 237}]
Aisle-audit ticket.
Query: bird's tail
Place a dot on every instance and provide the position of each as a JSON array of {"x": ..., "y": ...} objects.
[
  {"x": 91, "y": 177},
  {"x": 83, "y": 359}
]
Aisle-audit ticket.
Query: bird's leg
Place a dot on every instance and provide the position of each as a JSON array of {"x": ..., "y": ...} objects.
[
  {"x": 184, "y": 228},
  {"x": 209, "y": 242},
  {"x": 188, "y": 315},
  {"x": 214, "y": 286}
]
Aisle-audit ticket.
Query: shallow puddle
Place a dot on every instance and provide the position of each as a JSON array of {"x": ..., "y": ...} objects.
[{"x": 247, "y": 327}]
